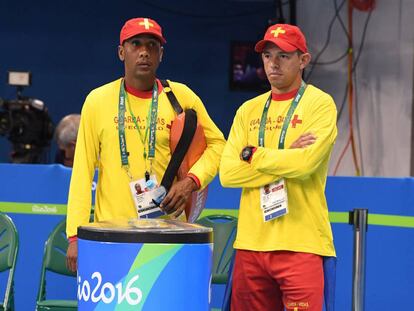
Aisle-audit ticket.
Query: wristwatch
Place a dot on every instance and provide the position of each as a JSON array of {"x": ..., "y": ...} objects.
[{"x": 247, "y": 153}]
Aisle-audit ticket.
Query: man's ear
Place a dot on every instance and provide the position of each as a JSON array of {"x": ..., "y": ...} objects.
[
  {"x": 121, "y": 53},
  {"x": 305, "y": 59}
]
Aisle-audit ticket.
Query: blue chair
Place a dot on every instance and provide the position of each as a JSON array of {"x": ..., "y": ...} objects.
[
  {"x": 227, "y": 292},
  {"x": 224, "y": 229},
  {"x": 9, "y": 245},
  {"x": 329, "y": 270},
  {"x": 54, "y": 260}
]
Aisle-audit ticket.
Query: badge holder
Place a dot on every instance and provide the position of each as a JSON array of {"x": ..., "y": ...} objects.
[
  {"x": 147, "y": 197},
  {"x": 274, "y": 200}
]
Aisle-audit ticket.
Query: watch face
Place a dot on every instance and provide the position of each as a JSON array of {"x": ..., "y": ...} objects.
[{"x": 246, "y": 153}]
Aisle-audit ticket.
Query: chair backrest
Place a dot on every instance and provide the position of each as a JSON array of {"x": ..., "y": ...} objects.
[
  {"x": 9, "y": 245},
  {"x": 54, "y": 257},
  {"x": 55, "y": 251},
  {"x": 224, "y": 228}
]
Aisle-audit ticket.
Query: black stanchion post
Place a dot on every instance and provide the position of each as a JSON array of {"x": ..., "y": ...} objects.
[{"x": 359, "y": 219}]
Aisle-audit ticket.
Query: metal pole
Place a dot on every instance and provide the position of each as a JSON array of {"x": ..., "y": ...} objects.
[{"x": 359, "y": 219}]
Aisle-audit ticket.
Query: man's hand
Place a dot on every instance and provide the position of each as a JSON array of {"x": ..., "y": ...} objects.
[
  {"x": 177, "y": 197},
  {"x": 304, "y": 141},
  {"x": 72, "y": 256}
]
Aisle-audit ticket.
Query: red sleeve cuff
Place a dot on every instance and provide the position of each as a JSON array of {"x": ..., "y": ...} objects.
[
  {"x": 73, "y": 238},
  {"x": 195, "y": 179}
]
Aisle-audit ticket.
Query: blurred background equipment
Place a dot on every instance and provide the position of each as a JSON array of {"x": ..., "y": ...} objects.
[
  {"x": 66, "y": 133},
  {"x": 25, "y": 122}
]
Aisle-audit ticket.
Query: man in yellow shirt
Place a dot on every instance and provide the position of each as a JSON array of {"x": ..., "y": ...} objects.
[
  {"x": 278, "y": 151},
  {"x": 125, "y": 133}
]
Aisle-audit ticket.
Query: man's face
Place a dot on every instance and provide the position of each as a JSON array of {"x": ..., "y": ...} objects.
[
  {"x": 141, "y": 55},
  {"x": 283, "y": 69}
]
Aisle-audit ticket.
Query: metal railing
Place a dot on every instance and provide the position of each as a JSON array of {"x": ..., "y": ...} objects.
[{"x": 359, "y": 219}]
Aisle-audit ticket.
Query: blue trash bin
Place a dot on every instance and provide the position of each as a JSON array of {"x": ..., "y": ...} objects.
[{"x": 144, "y": 264}]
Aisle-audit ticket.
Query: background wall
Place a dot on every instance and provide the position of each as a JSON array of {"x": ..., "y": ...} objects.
[
  {"x": 384, "y": 80},
  {"x": 389, "y": 253},
  {"x": 71, "y": 47}
]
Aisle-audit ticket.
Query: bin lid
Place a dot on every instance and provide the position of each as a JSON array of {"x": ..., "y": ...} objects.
[{"x": 146, "y": 231}]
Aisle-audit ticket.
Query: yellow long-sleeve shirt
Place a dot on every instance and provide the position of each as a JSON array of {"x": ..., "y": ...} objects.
[
  {"x": 97, "y": 146},
  {"x": 306, "y": 227}
]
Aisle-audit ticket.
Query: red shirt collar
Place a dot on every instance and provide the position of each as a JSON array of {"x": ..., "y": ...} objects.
[
  {"x": 284, "y": 96},
  {"x": 142, "y": 94}
]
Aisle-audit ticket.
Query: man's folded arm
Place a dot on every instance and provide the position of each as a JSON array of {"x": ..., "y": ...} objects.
[
  {"x": 235, "y": 173},
  {"x": 301, "y": 163}
]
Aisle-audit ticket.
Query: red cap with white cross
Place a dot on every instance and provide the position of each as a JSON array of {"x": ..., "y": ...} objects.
[
  {"x": 141, "y": 25},
  {"x": 287, "y": 37}
]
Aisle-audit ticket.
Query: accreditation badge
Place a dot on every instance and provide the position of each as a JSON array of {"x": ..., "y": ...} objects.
[
  {"x": 144, "y": 192},
  {"x": 274, "y": 200}
]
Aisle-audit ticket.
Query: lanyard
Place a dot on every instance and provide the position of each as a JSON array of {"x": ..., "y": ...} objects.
[
  {"x": 286, "y": 122},
  {"x": 151, "y": 126}
]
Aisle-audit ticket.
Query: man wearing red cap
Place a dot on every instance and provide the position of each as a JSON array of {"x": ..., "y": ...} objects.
[
  {"x": 125, "y": 133},
  {"x": 278, "y": 151}
]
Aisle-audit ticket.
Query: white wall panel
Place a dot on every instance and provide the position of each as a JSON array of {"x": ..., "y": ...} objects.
[{"x": 384, "y": 80}]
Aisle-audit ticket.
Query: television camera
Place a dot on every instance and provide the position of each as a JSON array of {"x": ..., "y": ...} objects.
[{"x": 25, "y": 122}]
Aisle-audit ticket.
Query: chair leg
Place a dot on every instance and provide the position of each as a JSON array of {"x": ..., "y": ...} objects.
[
  {"x": 227, "y": 291},
  {"x": 329, "y": 270},
  {"x": 11, "y": 306}
]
